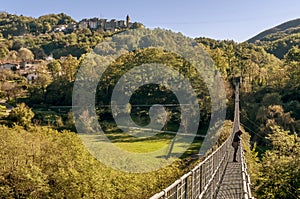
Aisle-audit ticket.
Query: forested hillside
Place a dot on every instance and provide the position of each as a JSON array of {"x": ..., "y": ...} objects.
[
  {"x": 13, "y": 25},
  {"x": 270, "y": 107},
  {"x": 280, "y": 39},
  {"x": 36, "y": 35},
  {"x": 41, "y": 156}
]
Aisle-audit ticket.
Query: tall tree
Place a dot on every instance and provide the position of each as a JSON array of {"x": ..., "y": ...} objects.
[
  {"x": 280, "y": 167},
  {"x": 55, "y": 68},
  {"x": 69, "y": 67},
  {"x": 21, "y": 115}
]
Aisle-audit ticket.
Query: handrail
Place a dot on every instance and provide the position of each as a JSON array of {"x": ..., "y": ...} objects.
[
  {"x": 245, "y": 177},
  {"x": 203, "y": 179}
]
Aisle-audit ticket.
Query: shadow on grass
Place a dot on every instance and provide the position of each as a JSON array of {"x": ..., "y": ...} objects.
[{"x": 149, "y": 143}]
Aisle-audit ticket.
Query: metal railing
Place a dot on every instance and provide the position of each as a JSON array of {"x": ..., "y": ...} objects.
[
  {"x": 203, "y": 180},
  {"x": 245, "y": 177}
]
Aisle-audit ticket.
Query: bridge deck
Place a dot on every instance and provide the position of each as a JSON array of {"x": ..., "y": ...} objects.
[
  {"x": 231, "y": 185},
  {"x": 217, "y": 177}
]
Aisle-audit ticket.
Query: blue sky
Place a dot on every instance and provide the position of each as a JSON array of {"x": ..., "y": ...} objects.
[{"x": 228, "y": 19}]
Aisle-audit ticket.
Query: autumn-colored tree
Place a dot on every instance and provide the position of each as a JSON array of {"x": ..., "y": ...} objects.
[
  {"x": 25, "y": 54},
  {"x": 293, "y": 55},
  {"x": 21, "y": 115},
  {"x": 12, "y": 55},
  {"x": 273, "y": 115},
  {"x": 55, "y": 68},
  {"x": 43, "y": 163},
  {"x": 69, "y": 67},
  {"x": 280, "y": 167},
  {"x": 3, "y": 52}
]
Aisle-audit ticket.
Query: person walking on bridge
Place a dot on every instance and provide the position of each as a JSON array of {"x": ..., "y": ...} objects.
[{"x": 236, "y": 143}]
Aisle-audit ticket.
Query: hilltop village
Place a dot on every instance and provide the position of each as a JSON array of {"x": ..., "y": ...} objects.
[
  {"x": 36, "y": 43},
  {"x": 99, "y": 24}
]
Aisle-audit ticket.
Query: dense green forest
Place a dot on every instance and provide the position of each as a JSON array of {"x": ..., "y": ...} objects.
[
  {"x": 280, "y": 39},
  {"x": 269, "y": 112},
  {"x": 41, "y": 156}
]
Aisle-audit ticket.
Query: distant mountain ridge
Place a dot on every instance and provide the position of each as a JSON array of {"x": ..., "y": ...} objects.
[
  {"x": 289, "y": 27},
  {"x": 280, "y": 39}
]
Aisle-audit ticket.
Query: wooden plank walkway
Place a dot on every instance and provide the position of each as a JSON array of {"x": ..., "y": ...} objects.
[{"x": 231, "y": 186}]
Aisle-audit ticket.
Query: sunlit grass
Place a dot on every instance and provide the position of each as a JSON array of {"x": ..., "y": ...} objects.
[
  {"x": 126, "y": 141},
  {"x": 142, "y": 146}
]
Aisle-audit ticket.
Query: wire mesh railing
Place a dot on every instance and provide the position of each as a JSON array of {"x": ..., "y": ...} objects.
[
  {"x": 203, "y": 180},
  {"x": 246, "y": 178}
]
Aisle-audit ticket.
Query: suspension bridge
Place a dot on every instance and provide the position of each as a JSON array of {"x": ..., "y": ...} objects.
[{"x": 217, "y": 177}]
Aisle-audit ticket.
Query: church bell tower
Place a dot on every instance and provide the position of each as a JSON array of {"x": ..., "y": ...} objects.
[{"x": 127, "y": 21}]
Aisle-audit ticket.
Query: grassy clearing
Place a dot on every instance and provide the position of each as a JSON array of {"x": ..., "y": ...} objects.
[
  {"x": 124, "y": 151},
  {"x": 139, "y": 141},
  {"x": 145, "y": 145}
]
